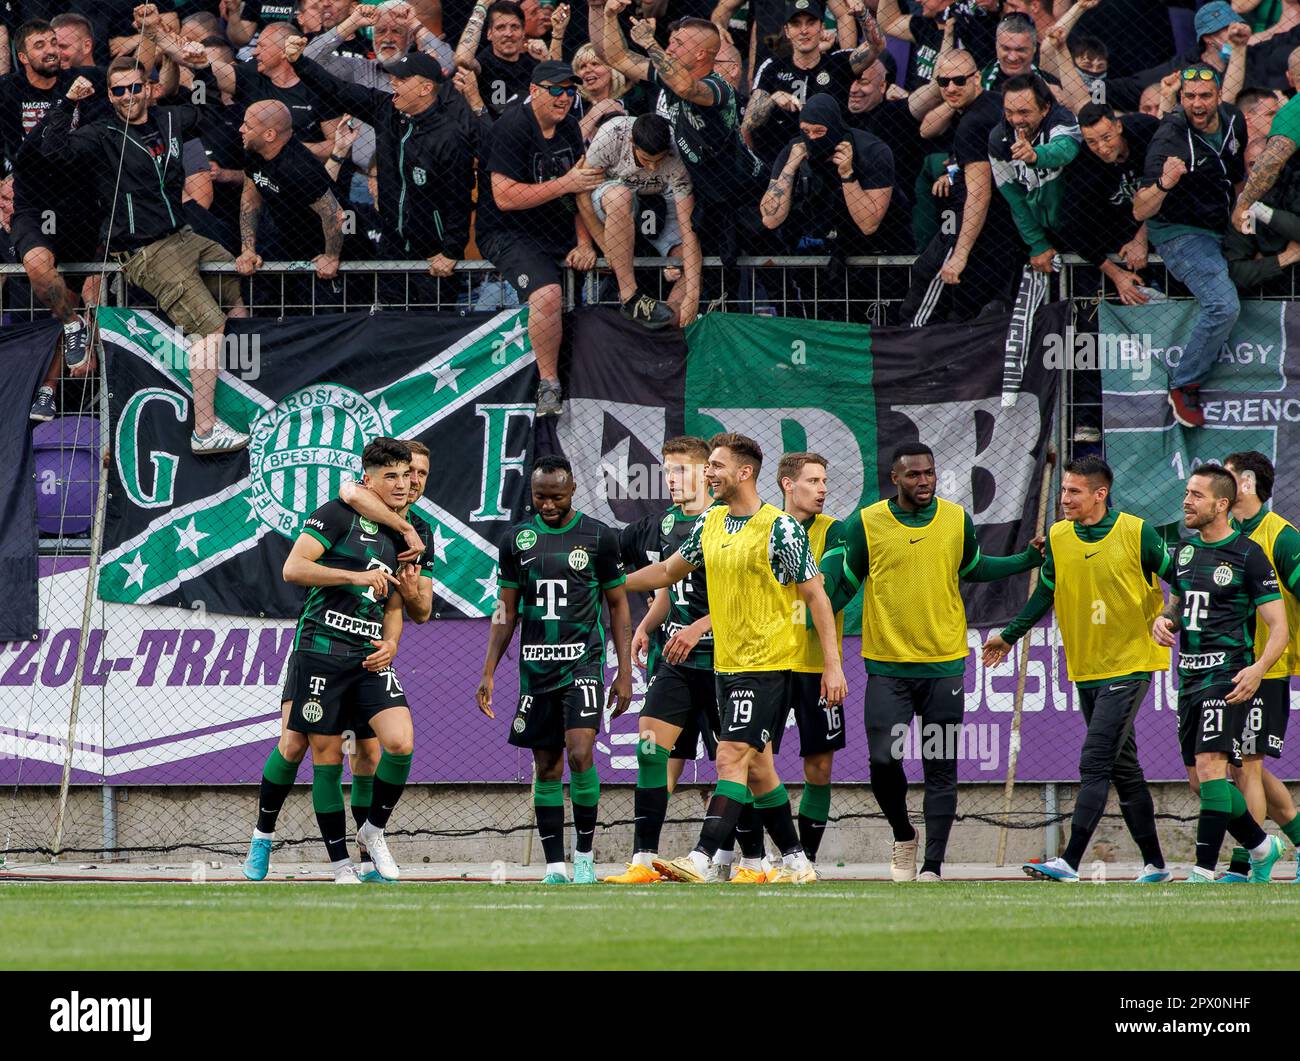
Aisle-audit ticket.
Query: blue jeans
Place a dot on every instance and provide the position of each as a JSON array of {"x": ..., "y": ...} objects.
[{"x": 1197, "y": 261}]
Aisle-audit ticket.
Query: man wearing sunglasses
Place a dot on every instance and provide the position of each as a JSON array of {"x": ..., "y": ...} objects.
[
  {"x": 135, "y": 159},
  {"x": 528, "y": 225},
  {"x": 974, "y": 258},
  {"x": 1194, "y": 168}
]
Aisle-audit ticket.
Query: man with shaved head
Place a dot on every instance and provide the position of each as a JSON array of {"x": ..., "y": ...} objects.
[
  {"x": 268, "y": 76},
  {"x": 283, "y": 177}
]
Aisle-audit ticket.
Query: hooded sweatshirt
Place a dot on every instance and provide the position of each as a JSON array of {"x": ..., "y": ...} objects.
[{"x": 1034, "y": 192}]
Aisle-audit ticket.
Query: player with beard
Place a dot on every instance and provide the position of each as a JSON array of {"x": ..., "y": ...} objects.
[
  {"x": 554, "y": 571},
  {"x": 1223, "y": 585},
  {"x": 756, "y": 558}
]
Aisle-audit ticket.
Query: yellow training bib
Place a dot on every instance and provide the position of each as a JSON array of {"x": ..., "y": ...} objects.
[
  {"x": 1105, "y": 605},
  {"x": 810, "y": 652},
  {"x": 753, "y": 620},
  {"x": 1264, "y": 536},
  {"x": 912, "y": 611}
]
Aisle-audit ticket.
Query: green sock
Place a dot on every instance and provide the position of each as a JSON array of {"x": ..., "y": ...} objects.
[
  {"x": 1239, "y": 806},
  {"x": 548, "y": 807},
  {"x": 394, "y": 769},
  {"x": 327, "y": 788},
  {"x": 774, "y": 798},
  {"x": 815, "y": 803},
  {"x": 278, "y": 770},
  {"x": 731, "y": 790},
  {"x": 584, "y": 794},
  {"x": 652, "y": 765},
  {"x": 1292, "y": 830},
  {"x": 360, "y": 795},
  {"x": 1217, "y": 796}
]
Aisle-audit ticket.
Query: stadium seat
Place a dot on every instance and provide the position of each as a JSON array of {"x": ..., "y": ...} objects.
[{"x": 67, "y": 479}]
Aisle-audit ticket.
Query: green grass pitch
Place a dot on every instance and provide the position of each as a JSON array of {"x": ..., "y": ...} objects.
[{"x": 832, "y": 925}]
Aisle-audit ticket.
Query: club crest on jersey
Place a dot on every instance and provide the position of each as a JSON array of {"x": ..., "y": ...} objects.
[
  {"x": 1185, "y": 555},
  {"x": 525, "y": 539},
  {"x": 823, "y": 78},
  {"x": 666, "y": 524},
  {"x": 369, "y": 526},
  {"x": 1222, "y": 575},
  {"x": 312, "y": 711},
  {"x": 419, "y": 176},
  {"x": 318, "y": 429},
  {"x": 578, "y": 559}
]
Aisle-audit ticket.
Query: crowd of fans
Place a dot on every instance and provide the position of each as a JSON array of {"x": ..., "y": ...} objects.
[{"x": 985, "y": 137}]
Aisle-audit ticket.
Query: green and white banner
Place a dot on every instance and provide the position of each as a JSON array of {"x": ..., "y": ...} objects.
[{"x": 213, "y": 533}]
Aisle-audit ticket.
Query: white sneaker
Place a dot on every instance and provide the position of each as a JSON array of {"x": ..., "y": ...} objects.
[
  {"x": 347, "y": 875},
  {"x": 372, "y": 838},
  {"x": 902, "y": 860},
  {"x": 929, "y": 877},
  {"x": 221, "y": 439}
]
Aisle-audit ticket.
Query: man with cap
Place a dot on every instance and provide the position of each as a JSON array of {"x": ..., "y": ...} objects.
[
  {"x": 426, "y": 137},
  {"x": 1219, "y": 30},
  {"x": 839, "y": 182},
  {"x": 528, "y": 225},
  {"x": 1194, "y": 165},
  {"x": 783, "y": 84}
]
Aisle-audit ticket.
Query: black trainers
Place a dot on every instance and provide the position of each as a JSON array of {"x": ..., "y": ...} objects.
[
  {"x": 648, "y": 312},
  {"x": 1186, "y": 404},
  {"x": 76, "y": 343},
  {"x": 43, "y": 408}
]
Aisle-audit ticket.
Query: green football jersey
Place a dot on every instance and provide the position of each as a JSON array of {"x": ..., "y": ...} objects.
[
  {"x": 1221, "y": 585},
  {"x": 655, "y": 538},
  {"x": 560, "y": 573},
  {"x": 343, "y": 620}
]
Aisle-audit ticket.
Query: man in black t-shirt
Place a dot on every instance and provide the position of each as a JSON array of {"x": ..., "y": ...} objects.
[
  {"x": 283, "y": 177},
  {"x": 269, "y": 76},
  {"x": 782, "y": 85},
  {"x": 528, "y": 225},
  {"x": 971, "y": 260},
  {"x": 45, "y": 191},
  {"x": 891, "y": 120},
  {"x": 1097, "y": 210},
  {"x": 832, "y": 187},
  {"x": 504, "y": 67},
  {"x": 973, "y": 23}
]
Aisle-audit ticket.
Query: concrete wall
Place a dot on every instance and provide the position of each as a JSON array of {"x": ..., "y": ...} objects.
[{"x": 222, "y": 820}]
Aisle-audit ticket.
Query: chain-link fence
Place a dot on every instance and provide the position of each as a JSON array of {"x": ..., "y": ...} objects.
[{"x": 1001, "y": 229}]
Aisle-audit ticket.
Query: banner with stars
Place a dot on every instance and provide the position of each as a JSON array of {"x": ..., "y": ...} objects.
[{"x": 213, "y": 533}]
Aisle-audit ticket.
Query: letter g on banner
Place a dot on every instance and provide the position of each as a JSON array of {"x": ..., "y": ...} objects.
[{"x": 126, "y": 450}]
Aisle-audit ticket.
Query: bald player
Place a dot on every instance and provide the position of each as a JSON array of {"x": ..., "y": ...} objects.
[{"x": 285, "y": 179}]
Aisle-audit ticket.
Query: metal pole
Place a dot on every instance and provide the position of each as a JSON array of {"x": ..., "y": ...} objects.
[
  {"x": 1051, "y": 834},
  {"x": 109, "y": 797},
  {"x": 92, "y": 568}
]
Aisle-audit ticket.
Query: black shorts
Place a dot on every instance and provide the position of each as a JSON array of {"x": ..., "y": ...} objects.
[
  {"x": 542, "y": 718},
  {"x": 1265, "y": 727},
  {"x": 752, "y": 706},
  {"x": 524, "y": 265},
  {"x": 75, "y": 239},
  {"x": 821, "y": 727},
  {"x": 359, "y": 726},
  {"x": 333, "y": 695},
  {"x": 1208, "y": 723},
  {"x": 685, "y": 697}
]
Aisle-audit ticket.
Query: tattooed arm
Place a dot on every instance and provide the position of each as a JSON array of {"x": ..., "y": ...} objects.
[
  {"x": 756, "y": 114},
  {"x": 673, "y": 74},
  {"x": 775, "y": 206},
  {"x": 467, "y": 47},
  {"x": 872, "y": 42},
  {"x": 250, "y": 212},
  {"x": 633, "y": 67},
  {"x": 1263, "y": 175},
  {"x": 331, "y": 223}
]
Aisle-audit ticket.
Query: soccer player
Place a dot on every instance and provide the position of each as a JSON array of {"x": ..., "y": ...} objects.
[
  {"x": 676, "y": 636},
  {"x": 802, "y": 480},
  {"x": 908, "y": 553},
  {"x": 1266, "y": 722},
  {"x": 754, "y": 554},
  {"x": 554, "y": 570},
  {"x": 1222, "y": 584},
  {"x": 1100, "y": 571},
  {"x": 413, "y": 577},
  {"x": 342, "y": 660}
]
